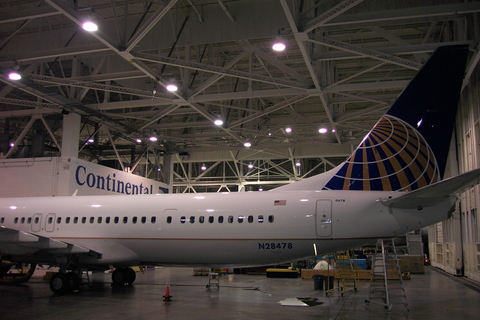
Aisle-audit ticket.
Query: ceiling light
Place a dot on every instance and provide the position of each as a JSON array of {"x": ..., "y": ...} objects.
[
  {"x": 203, "y": 167},
  {"x": 14, "y": 76},
  {"x": 323, "y": 130},
  {"x": 139, "y": 140},
  {"x": 218, "y": 122},
  {"x": 171, "y": 87},
  {"x": 279, "y": 46},
  {"x": 153, "y": 138},
  {"x": 247, "y": 144},
  {"x": 298, "y": 163},
  {"x": 89, "y": 26},
  {"x": 250, "y": 166},
  {"x": 288, "y": 129}
]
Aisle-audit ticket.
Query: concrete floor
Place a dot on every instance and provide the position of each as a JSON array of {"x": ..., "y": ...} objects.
[{"x": 433, "y": 295}]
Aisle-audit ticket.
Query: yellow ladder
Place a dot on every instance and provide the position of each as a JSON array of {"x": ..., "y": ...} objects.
[{"x": 347, "y": 279}]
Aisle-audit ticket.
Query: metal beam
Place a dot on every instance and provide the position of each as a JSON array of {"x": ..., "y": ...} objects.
[
  {"x": 214, "y": 69},
  {"x": 330, "y": 14},
  {"x": 374, "y": 54},
  {"x": 154, "y": 19}
]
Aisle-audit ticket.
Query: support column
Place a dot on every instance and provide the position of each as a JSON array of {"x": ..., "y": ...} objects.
[
  {"x": 168, "y": 170},
  {"x": 71, "y": 135}
]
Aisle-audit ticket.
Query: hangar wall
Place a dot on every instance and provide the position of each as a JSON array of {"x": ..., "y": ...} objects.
[
  {"x": 57, "y": 176},
  {"x": 454, "y": 244}
]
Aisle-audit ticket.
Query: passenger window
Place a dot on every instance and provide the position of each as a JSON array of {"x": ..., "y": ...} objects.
[
  {"x": 2, "y": 220},
  {"x": 59, "y": 220},
  {"x": 270, "y": 219},
  {"x": 107, "y": 220},
  {"x": 67, "y": 220},
  {"x": 116, "y": 219},
  {"x": 50, "y": 220},
  {"x": 92, "y": 219},
  {"x": 144, "y": 219},
  {"x": 240, "y": 219},
  {"x": 211, "y": 219},
  {"x": 29, "y": 220},
  {"x": 99, "y": 220},
  {"x": 230, "y": 219},
  {"x": 192, "y": 219},
  {"x": 22, "y": 220},
  {"x": 183, "y": 219},
  {"x": 154, "y": 219},
  {"x": 169, "y": 219},
  {"x": 84, "y": 219},
  {"x": 15, "y": 220},
  {"x": 220, "y": 219},
  {"x": 75, "y": 220},
  {"x": 125, "y": 219},
  {"x": 260, "y": 219},
  {"x": 250, "y": 219},
  {"x": 134, "y": 219},
  {"x": 201, "y": 219}
]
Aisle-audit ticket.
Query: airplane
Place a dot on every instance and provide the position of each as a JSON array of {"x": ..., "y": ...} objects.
[{"x": 391, "y": 185}]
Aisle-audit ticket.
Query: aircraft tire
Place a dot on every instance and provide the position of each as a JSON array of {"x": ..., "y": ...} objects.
[
  {"x": 4, "y": 268},
  {"x": 131, "y": 275},
  {"x": 61, "y": 283},
  {"x": 122, "y": 276},
  {"x": 76, "y": 281}
]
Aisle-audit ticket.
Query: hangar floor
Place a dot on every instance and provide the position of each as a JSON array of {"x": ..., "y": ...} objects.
[{"x": 433, "y": 295}]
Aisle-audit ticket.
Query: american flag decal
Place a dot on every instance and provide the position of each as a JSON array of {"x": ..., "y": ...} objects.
[{"x": 279, "y": 202}]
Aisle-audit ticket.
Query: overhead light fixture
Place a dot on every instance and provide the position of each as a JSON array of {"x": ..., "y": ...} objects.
[
  {"x": 139, "y": 140},
  {"x": 323, "y": 130},
  {"x": 89, "y": 26},
  {"x": 279, "y": 46},
  {"x": 153, "y": 137},
  {"x": 218, "y": 122},
  {"x": 171, "y": 87},
  {"x": 288, "y": 129},
  {"x": 247, "y": 144},
  {"x": 14, "y": 76},
  {"x": 250, "y": 166},
  {"x": 203, "y": 167},
  {"x": 298, "y": 163}
]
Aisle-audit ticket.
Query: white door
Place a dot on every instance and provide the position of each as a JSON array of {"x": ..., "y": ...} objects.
[{"x": 324, "y": 218}]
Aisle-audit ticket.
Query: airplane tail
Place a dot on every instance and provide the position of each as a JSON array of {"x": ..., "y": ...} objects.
[{"x": 408, "y": 147}]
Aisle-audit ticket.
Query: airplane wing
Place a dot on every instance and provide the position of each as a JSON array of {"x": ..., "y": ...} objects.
[
  {"x": 38, "y": 248},
  {"x": 434, "y": 193}
]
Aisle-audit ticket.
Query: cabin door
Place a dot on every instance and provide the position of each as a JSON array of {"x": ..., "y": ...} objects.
[{"x": 324, "y": 218}]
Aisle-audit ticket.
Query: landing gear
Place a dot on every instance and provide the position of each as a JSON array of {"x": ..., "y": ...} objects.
[
  {"x": 123, "y": 276},
  {"x": 62, "y": 283}
]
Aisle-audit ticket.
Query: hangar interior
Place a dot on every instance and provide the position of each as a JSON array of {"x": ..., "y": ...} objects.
[{"x": 303, "y": 110}]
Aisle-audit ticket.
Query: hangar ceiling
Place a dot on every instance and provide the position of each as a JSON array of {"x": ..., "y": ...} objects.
[{"x": 345, "y": 62}]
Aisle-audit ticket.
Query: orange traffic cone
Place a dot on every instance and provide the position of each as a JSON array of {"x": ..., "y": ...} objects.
[{"x": 167, "y": 296}]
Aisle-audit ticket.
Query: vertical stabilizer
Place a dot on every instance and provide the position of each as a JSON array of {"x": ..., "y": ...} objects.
[{"x": 408, "y": 147}]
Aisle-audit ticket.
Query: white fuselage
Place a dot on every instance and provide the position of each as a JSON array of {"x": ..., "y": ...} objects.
[{"x": 231, "y": 229}]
